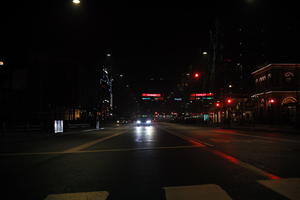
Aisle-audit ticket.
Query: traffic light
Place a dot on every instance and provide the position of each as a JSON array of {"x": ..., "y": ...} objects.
[
  {"x": 196, "y": 75},
  {"x": 218, "y": 105},
  {"x": 229, "y": 101},
  {"x": 272, "y": 101}
]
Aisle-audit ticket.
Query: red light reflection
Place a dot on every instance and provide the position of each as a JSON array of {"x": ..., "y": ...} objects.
[
  {"x": 225, "y": 156},
  {"x": 198, "y": 144},
  {"x": 224, "y": 131},
  {"x": 240, "y": 163}
]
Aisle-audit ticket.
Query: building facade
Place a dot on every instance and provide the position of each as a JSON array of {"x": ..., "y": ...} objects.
[{"x": 276, "y": 93}]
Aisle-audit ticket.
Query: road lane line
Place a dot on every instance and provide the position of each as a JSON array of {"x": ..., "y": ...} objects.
[
  {"x": 141, "y": 149},
  {"x": 101, "y": 195},
  {"x": 92, "y": 143},
  {"x": 289, "y": 187},
  {"x": 100, "y": 150},
  {"x": 244, "y": 165},
  {"x": 228, "y": 157},
  {"x": 196, "y": 192},
  {"x": 189, "y": 139}
]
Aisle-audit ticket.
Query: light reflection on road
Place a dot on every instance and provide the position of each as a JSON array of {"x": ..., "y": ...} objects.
[{"x": 144, "y": 134}]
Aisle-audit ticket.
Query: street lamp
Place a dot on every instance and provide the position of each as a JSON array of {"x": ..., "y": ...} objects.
[
  {"x": 204, "y": 53},
  {"x": 76, "y": 2},
  {"x": 1, "y": 63}
]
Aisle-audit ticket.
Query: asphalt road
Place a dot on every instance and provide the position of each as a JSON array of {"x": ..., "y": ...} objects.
[{"x": 164, "y": 161}]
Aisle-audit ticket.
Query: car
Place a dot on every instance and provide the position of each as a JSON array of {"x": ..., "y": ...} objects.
[
  {"x": 122, "y": 121},
  {"x": 143, "y": 121}
]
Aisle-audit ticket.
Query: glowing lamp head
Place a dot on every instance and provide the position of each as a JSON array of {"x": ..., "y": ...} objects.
[{"x": 77, "y": 2}]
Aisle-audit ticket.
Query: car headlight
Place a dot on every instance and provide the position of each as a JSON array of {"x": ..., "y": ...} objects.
[
  {"x": 138, "y": 121},
  {"x": 148, "y": 122}
]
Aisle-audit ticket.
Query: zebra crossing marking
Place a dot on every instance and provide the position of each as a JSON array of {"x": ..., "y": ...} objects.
[
  {"x": 99, "y": 195},
  {"x": 289, "y": 187},
  {"x": 196, "y": 192}
]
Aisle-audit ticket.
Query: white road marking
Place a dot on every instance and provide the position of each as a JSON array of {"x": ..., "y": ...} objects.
[
  {"x": 98, "y": 151},
  {"x": 89, "y": 130},
  {"x": 101, "y": 195},
  {"x": 89, "y": 144},
  {"x": 187, "y": 138},
  {"x": 196, "y": 192},
  {"x": 289, "y": 187}
]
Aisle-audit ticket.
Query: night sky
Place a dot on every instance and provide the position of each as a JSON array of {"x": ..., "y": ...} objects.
[{"x": 144, "y": 42}]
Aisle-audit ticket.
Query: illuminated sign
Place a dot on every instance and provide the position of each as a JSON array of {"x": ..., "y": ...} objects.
[
  {"x": 146, "y": 98},
  {"x": 202, "y": 94},
  {"x": 178, "y": 99},
  {"x": 58, "y": 126},
  {"x": 208, "y": 98},
  {"x": 151, "y": 95}
]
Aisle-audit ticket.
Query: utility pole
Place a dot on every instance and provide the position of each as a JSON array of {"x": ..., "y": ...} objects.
[
  {"x": 297, "y": 96},
  {"x": 214, "y": 37}
]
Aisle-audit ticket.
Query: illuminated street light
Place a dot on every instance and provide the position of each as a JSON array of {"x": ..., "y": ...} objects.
[
  {"x": 76, "y": 2},
  {"x": 1, "y": 63},
  {"x": 204, "y": 53},
  {"x": 108, "y": 55},
  {"x": 230, "y": 86}
]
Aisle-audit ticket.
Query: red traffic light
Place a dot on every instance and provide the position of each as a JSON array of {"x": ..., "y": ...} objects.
[
  {"x": 272, "y": 101},
  {"x": 229, "y": 101},
  {"x": 218, "y": 104},
  {"x": 196, "y": 75}
]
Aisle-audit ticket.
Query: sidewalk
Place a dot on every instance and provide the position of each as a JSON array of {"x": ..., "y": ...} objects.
[{"x": 265, "y": 128}]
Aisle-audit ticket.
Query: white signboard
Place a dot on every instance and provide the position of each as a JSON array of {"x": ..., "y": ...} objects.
[
  {"x": 97, "y": 125},
  {"x": 58, "y": 126}
]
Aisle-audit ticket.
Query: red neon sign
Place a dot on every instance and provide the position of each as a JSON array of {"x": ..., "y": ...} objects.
[
  {"x": 151, "y": 95},
  {"x": 202, "y": 94}
]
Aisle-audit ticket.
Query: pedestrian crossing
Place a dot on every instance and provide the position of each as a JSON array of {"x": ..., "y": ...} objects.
[
  {"x": 288, "y": 188},
  {"x": 196, "y": 192},
  {"x": 101, "y": 195}
]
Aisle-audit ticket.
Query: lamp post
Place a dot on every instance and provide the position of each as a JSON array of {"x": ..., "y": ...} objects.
[{"x": 297, "y": 96}]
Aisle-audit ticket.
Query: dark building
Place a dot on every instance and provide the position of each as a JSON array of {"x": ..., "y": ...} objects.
[
  {"x": 276, "y": 93},
  {"x": 43, "y": 87}
]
